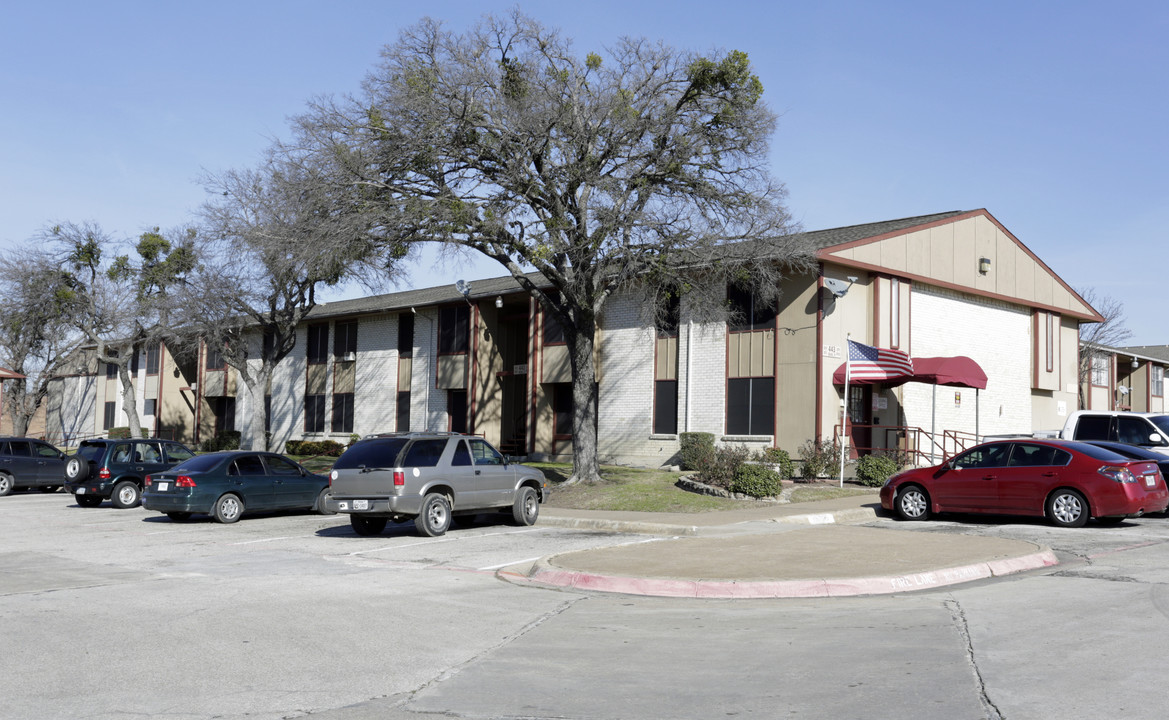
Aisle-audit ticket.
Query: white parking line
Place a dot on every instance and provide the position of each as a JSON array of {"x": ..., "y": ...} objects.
[
  {"x": 511, "y": 562},
  {"x": 445, "y": 539},
  {"x": 264, "y": 540}
]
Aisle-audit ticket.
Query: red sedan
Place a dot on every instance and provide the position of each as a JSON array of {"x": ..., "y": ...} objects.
[{"x": 1067, "y": 482}]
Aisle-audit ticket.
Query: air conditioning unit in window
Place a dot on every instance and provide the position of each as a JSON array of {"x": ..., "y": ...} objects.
[{"x": 349, "y": 357}]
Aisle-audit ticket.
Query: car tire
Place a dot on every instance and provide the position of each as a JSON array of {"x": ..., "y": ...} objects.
[
  {"x": 435, "y": 517},
  {"x": 526, "y": 508},
  {"x": 228, "y": 508},
  {"x": 87, "y": 501},
  {"x": 367, "y": 526},
  {"x": 76, "y": 468},
  {"x": 1067, "y": 508},
  {"x": 50, "y": 488},
  {"x": 912, "y": 503},
  {"x": 6, "y": 484},
  {"x": 178, "y": 516},
  {"x": 319, "y": 508},
  {"x": 126, "y": 495}
]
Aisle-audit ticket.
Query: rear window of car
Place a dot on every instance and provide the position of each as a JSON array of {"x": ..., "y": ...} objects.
[
  {"x": 91, "y": 451},
  {"x": 199, "y": 463},
  {"x": 1098, "y": 453},
  {"x": 373, "y": 453}
]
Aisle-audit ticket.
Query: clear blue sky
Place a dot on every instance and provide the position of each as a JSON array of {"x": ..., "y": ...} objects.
[{"x": 1052, "y": 115}]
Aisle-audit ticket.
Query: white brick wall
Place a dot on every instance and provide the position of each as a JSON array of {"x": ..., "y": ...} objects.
[
  {"x": 994, "y": 334},
  {"x": 376, "y": 392}
]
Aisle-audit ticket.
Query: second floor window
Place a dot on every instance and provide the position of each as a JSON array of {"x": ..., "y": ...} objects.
[
  {"x": 454, "y": 323},
  {"x": 1158, "y": 380},
  {"x": 1100, "y": 367},
  {"x": 747, "y": 312},
  {"x": 318, "y": 344}
]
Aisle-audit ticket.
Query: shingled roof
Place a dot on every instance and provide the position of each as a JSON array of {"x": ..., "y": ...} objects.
[{"x": 809, "y": 242}]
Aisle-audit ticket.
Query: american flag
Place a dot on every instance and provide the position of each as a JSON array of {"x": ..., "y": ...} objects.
[{"x": 877, "y": 364}]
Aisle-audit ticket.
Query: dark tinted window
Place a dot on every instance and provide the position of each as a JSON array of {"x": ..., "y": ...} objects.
[
  {"x": 751, "y": 406},
  {"x": 403, "y": 414},
  {"x": 176, "y": 453},
  {"x": 44, "y": 450},
  {"x": 281, "y": 466},
  {"x": 317, "y": 347},
  {"x": 665, "y": 407},
  {"x": 198, "y": 464},
  {"x": 1092, "y": 427},
  {"x": 454, "y": 324},
  {"x": 344, "y": 339},
  {"x": 1029, "y": 455},
  {"x": 424, "y": 453},
  {"x": 747, "y": 312},
  {"x": 986, "y": 456},
  {"x": 1161, "y": 422},
  {"x": 462, "y": 456},
  {"x": 406, "y": 335},
  {"x": 485, "y": 454},
  {"x": 91, "y": 451},
  {"x": 376, "y": 452},
  {"x": 20, "y": 449},
  {"x": 248, "y": 465},
  {"x": 1135, "y": 430},
  {"x": 343, "y": 413},
  {"x": 1098, "y": 453}
]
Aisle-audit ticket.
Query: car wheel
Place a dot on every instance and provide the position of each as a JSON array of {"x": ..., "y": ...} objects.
[
  {"x": 6, "y": 484},
  {"x": 912, "y": 503},
  {"x": 178, "y": 516},
  {"x": 126, "y": 495},
  {"x": 87, "y": 501},
  {"x": 1067, "y": 508},
  {"x": 526, "y": 508},
  {"x": 435, "y": 517},
  {"x": 76, "y": 468},
  {"x": 367, "y": 526},
  {"x": 320, "y": 508},
  {"x": 50, "y": 488},
  {"x": 228, "y": 508}
]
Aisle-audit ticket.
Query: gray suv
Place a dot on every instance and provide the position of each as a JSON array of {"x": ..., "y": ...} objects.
[{"x": 432, "y": 479}]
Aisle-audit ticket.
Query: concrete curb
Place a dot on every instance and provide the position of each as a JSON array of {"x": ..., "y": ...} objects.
[
  {"x": 544, "y": 574},
  {"x": 642, "y": 528}
]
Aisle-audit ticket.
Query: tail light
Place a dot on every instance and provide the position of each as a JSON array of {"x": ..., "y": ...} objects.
[
  {"x": 104, "y": 473},
  {"x": 147, "y": 481},
  {"x": 399, "y": 477},
  {"x": 184, "y": 481},
  {"x": 1119, "y": 474}
]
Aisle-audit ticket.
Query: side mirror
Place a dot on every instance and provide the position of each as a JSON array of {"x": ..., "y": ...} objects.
[
  {"x": 506, "y": 460},
  {"x": 1156, "y": 439}
]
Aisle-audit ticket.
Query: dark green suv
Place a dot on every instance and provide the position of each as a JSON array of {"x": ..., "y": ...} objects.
[{"x": 116, "y": 469}]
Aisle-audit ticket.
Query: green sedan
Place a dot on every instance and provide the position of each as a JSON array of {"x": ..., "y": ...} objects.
[{"x": 225, "y": 485}]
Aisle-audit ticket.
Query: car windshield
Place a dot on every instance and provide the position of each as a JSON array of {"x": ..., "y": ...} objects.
[
  {"x": 1162, "y": 423},
  {"x": 91, "y": 451},
  {"x": 198, "y": 464},
  {"x": 375, "y": 452}
]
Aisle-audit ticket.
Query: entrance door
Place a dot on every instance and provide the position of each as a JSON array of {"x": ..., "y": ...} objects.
[{"x": 860, "y": 413}]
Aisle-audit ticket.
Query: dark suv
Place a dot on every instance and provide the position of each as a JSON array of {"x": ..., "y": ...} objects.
[
  {"x": 116, "y": 469},
  {"x": 30, "y": 463}
]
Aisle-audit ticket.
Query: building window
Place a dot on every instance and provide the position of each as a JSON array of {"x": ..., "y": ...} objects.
[
  {"x": 456, "y": 403},
  {"x": 150, "y": 407},
  {"x": 747, "y": 312},
  {"x": 1158, "y": 380},
  {"x": 454, "y": 325},
  {"x": 1050, "y": 348},
  {"x": 314, "y": 413},
  {"x": 111, "y": 371},
  {"x": 224, "y": 410},
  {"x": 153, "y": 353},
  {"x": 317, "y": 351},
  {"x": 406, "y": 335},
  {"x": 108, "y": 417},
  {"x": 267, "y": 413},
  {"x": 343, "y": 413},
  {"x": 345, "y": 340},
  {"x": 214, "y": 359},
  {"x": 403, "y": 423},
  {"x": 666, "y": 407},
  {"x": 751, "y": 406},
  {"x": 894, "y": 313},
  {"x": 1100, "y": 368},
  {"x": 553, "y": 330},
  {"x": 562, "y": 410}
]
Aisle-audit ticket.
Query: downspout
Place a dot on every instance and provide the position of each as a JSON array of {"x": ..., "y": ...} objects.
[{"x": 689, "y": 366}]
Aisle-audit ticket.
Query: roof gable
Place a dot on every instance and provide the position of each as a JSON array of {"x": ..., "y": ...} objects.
[{"x": 945, "y": 250}]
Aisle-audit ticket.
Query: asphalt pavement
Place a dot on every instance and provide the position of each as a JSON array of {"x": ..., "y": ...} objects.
[{"x": 791, "y": 550}]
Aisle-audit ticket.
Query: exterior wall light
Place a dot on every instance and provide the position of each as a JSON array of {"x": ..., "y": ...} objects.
[
  {"x": 984, "y": 265},
  {"x": 498, "y": 302},
  {"x": 1135, "y": 363}
]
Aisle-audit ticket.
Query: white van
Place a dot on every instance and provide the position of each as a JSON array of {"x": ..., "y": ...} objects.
[{"x": 1147, "y": 430}]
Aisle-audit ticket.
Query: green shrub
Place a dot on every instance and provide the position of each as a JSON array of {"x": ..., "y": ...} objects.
[
  {"x": 756, "y": 480},
  {"x": 228, "y": 440},
  {"x": 328, "y": 448},
  {"x": 118, "y": 433},
  {"x": 778, "y": 456},
  {"x": 727, "y": 460},
  {"x": 874, "y": 470},
  {"x": 697, "y": 450},
  {"x": 820, "y": 457}
]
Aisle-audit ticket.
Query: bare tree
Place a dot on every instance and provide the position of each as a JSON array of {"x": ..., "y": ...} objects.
[
  {"x": 275, "y": 237},
  {"x": 1109, "y": 333},
  {"x": 641, "y": 167},
  {"x": 121, "y": 304},
  {"x": 36, "y": 338}
]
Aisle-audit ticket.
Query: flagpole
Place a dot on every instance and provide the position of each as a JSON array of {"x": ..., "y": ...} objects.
[{"x": 844, "y": 404}]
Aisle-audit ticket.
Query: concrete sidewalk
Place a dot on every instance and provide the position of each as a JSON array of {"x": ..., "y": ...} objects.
[{"x": 782, "y": 551}]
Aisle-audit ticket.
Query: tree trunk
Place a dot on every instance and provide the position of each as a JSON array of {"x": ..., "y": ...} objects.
[
  {"x": 17, "y": 406},
  {"x": 129, "y": 402},
  {"x": 258, "y": 385},
  {"x": 585, "y": 467}
]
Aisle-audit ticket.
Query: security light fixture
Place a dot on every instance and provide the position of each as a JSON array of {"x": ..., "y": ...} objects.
[
  {"x": 1135, "y": 363},
  {"x": 984, "y": 265},
  {"x": 498, "y": 301}
]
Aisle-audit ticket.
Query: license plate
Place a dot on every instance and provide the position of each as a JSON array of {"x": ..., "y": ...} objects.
[
  {"x": 1150, "y": 480},
  {"x": 361, "y": 504},
  {"x": 80, "y": 491},
  {"x": 162, "y": 487}
]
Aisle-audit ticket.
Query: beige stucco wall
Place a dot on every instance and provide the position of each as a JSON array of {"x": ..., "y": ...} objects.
[{"x": 848, "y": 316}]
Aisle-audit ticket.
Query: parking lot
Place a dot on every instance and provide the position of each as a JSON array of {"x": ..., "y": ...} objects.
[{"x": 120, "y": 613}]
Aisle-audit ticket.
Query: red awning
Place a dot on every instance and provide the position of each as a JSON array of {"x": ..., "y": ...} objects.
[{"x": 957, "y": 371}]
